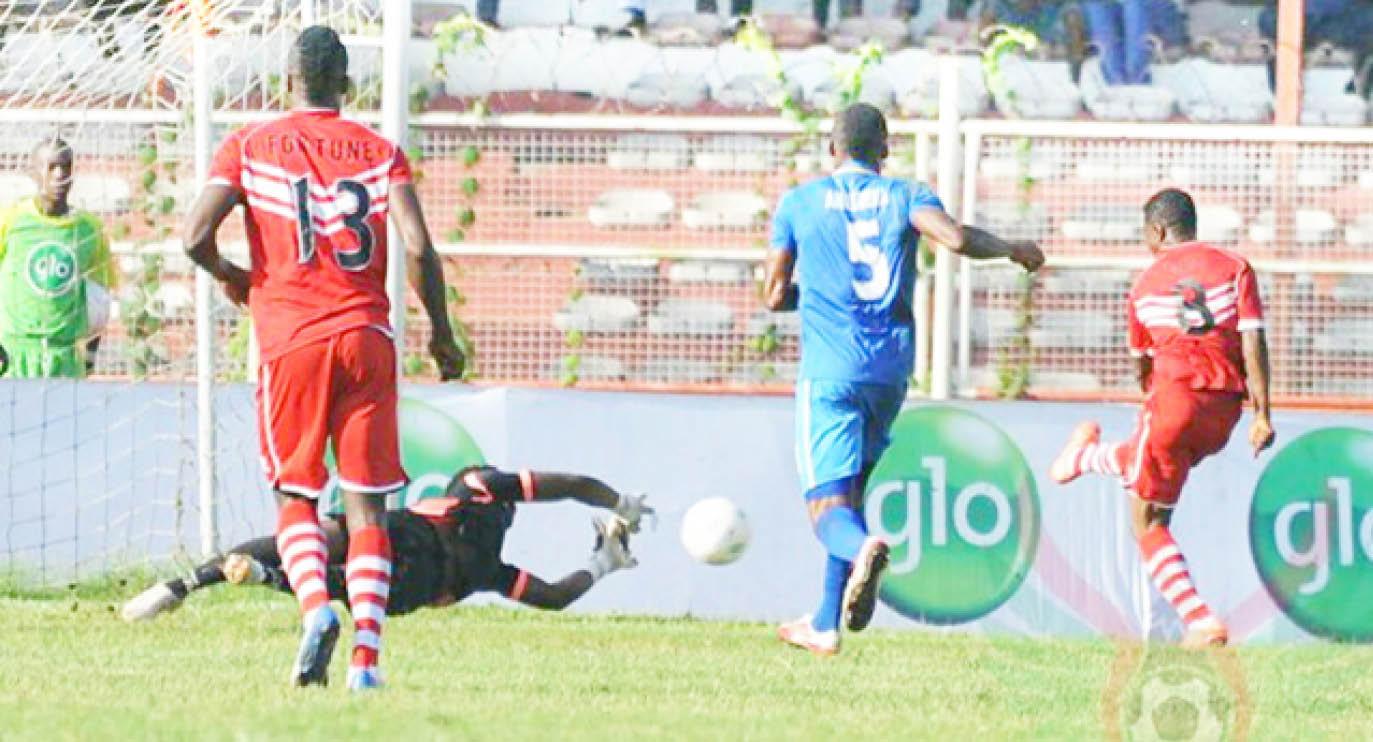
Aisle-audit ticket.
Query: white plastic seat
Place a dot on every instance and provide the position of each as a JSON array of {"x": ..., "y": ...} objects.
[
  {"x": 649, "y": 152},
  {"x": 736, "y": 153},
  {"x": 1219, "y": 223},
  {"x": 1209, "y": 92},
  {"x": 1076, "y": 328},
  {"x": 588, "y": 368},
  {"x": 632, "y": 207},
  {"x": 678, "y": 370},
  {"x": 1313, "y": 227},
  {"x": 1043, "y": 89},
  {"x": 709, "y": 271},
  {"x": 690, "y": 317},
  {"x": 598, "y": 313},
  {"x": 1359, "y": 231},
  {"x": 788, "y": 324},
  {"x": 1013, "y": 220},
  {"x": 1103, "y": 222},
  {"x": 15, "y": 186},
  {"x": 725, "y": 210},
  {"x": 1123, "y": 102}
]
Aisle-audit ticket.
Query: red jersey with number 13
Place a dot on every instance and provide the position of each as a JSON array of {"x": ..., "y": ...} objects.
[
  {"x": 1187, "y": 311},
  {"x": 315, "y": 188}
]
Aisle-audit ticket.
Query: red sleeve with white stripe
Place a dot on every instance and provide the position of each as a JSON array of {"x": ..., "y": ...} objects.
[
  {"x": 1248, "y": 302},
  {"x": 226, "y": 168},
  {"x": 1137, "y": 336},
  {"x": 400, "y": 169}
]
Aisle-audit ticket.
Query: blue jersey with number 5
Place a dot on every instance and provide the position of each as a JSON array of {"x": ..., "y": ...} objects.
[{"x": 856, "y": 259}]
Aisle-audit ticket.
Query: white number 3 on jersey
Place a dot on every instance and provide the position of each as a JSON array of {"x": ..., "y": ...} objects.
[{"x": 862, "y": 251}]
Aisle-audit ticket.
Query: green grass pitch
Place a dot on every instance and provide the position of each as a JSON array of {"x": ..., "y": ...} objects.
[{"x": 215, "y": 670}]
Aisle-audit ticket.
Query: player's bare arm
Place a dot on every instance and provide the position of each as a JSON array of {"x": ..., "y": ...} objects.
[
  {"x": 199, "y": 237},
  {"x": 973, "y": 242},
  {"x": 779, "y": 293},
  {"x": 1254, "y": 345},
  {"x": 426, "y": 276},
  {"x": 551, "y": 486}
]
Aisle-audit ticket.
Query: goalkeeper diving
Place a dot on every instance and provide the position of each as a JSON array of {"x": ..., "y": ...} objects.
[{"x": 445, "y": 548}]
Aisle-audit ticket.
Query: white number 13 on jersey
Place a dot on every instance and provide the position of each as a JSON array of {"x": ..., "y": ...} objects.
[{"x": 863, "y": 251}]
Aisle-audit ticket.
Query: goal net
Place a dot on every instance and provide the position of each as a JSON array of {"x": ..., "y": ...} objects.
[{"x": 103, "y": 473}]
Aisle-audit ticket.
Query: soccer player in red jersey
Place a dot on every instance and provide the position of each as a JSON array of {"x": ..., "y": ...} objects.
[
  {"x": 1196, "y": 329},
  {"x": 316, "y": 191}
]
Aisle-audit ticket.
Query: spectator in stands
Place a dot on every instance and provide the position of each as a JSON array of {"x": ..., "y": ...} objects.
[
  {"x": 1125, "y": 32},
  {"x": 55, "y": 274},
  {"x": 1347, "y": 24},
  {"x": 487, "y": 10},
  {"x": 1054, "y": 23}
]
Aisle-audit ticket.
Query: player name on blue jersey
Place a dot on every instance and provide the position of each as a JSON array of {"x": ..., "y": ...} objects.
[
  {"x": 855, "y": 251},
  {"x": 864, "y": 200}
]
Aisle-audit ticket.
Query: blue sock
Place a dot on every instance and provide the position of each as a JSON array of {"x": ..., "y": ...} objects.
[
  {"x": 826, "y": 616},
  {"x": 842, "y": 532}
]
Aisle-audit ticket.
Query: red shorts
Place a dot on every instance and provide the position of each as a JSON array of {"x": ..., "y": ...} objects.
[
  {"x": 342, "y": 388},
  {"x": 1178, "y": 427}
]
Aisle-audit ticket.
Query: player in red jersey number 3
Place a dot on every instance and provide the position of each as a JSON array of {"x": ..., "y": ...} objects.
[
  {"x": 316, "y": 191},
  {"x": 1196, "y": 329}
]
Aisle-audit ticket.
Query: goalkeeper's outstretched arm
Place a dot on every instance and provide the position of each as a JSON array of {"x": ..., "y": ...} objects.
[
  {"x": 610, "y": 553},
  {"x": 551, "y": 486}
]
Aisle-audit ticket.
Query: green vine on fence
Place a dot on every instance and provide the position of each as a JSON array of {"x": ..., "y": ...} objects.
[{"x": 138, "y": 310}]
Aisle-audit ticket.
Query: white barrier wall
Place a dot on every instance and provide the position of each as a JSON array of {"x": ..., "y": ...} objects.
[{"x": 983, "y": 541}]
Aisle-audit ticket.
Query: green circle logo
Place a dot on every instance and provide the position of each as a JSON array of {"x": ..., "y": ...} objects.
[
  {"x": 51, "y": 269},
  {"x": 432, "y": 447},
  {"x": 955, "y": 498},
  {"x": 1311, "y": 532}
]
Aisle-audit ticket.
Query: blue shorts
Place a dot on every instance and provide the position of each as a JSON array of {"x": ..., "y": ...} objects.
[{"x": 842, "y": 427}]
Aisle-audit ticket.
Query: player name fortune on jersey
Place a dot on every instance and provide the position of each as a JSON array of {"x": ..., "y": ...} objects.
[{"x": 866, "y": 199}]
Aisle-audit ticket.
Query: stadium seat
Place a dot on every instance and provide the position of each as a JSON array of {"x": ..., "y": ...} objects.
[
  {"x": 1079, "y": 283},
  {"x": 1325, "y": 102},
  {"x": 788, "y": 324},
  {"x": 171, "y": 301},
  {"x": 710, "y": 271},
  {"x": 588, "y": 368},
  {"x": 915, "y": 76},
  {"x": 688, "y": 29},
  {"x": 678, "y": 370},
  {"x": 1313, "y": 227},
  {"x": 513, "y": 15},
  {"x": 690, "y": 317},
  {"x": 1359, "y": 231},
  {"x": 1013, "y": 220},
  {"x": 747, "y": 91},
  {"x": 1353, "y": 289},
  {"x": 598, "y": 313},
  {"x": 649, "y": 152},
  {"x": 617, "y": 273},
  {"x": 1220, "y": 223},
  {"x": 1041, "y": 89},
  {"x": 1213, "y": 165},
  {"x": 1047, "y": 162},
  {"x": 788, "y": 29},
  {"x": 642, "y": 207},
  {"x": 725, "y": 210},
  {"x": 1104, "y": 222},
  {"x": 991, "y": 326},
  {"x": 1345, "y": 336},
  {"x": 851, "y": 33},
  {"x": 739, "y": 153},
  {"x": 603, "y": 68},
  {"x": 1123, "y": 102},
  {"x": 1208, "y": 92},
  {"x": 1107, "y": 162},
  {"x": 766, "y": 372},
  {"x": 102, "y": 194},
  {"x": 1076, "y": 328},
  {"x": 663, "y": 89}
]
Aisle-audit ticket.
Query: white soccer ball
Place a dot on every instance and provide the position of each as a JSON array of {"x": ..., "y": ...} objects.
[{"x": 715, "y": 531}]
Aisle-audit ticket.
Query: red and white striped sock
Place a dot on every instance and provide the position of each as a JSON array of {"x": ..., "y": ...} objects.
[
  {"x": 1100, "y": 458},
  {"x": 1168, "y": 570},
  {"x": 300, "y": 542},
  {"x": 369, "y": 583}
]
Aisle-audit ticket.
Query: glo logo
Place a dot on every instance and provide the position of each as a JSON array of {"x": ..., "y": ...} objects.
[
  {"x": 432, "y": 447},
  {"x": 51, "y": 269},
  {"x": 956, "y": 500},
  {"x": 1311, "y": 532}
]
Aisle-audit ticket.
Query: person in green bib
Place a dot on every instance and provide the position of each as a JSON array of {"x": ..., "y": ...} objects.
[{"x": 55, "y": 275}]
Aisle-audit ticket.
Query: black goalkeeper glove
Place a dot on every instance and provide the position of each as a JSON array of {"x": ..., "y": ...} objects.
[{"x": 4, "y": 361}]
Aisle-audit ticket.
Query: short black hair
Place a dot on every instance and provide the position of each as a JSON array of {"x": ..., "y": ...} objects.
[
  {"x": 1173, "y": 210},
  {"x": 320, "y": 60},
  {"x": 54, "y": 143},
  {"x": 860, "y": 131}
]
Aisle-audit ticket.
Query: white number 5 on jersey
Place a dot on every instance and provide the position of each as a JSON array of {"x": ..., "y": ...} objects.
[{"x": 862, "y": 251}]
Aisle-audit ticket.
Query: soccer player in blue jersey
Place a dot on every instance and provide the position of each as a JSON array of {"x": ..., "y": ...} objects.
[{"x": 852, "y": 236}]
